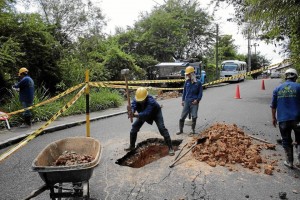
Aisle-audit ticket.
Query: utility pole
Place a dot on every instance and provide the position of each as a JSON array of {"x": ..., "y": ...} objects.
[
  {"x": 217, "y": 51},
  {"x": 249, "y": 50}
]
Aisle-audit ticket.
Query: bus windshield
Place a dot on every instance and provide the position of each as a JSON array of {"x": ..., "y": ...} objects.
[{"x": 229, "y": 67}]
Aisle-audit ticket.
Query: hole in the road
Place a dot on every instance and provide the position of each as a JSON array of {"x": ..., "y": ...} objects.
[{"x": 147, "y": 152}]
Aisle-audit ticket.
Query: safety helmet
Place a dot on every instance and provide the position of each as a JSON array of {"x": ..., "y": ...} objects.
[
  {"x": 189, "y": 70},
  {"x": 141, "y": 94},
  {"x": 23, "y": 70},
  {"x": 291, "y": 73}
]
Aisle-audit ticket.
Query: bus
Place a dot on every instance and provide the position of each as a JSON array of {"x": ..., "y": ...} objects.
[{"x": 231, "y": 68}]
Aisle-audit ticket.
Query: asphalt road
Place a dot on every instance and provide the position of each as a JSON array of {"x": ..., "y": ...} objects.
[{"x": 189, "y": 179}]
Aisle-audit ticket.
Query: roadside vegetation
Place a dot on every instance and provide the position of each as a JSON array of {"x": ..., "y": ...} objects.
[
  {"x": 60, "y": 40},
  {"x": 100, "y": 99}
]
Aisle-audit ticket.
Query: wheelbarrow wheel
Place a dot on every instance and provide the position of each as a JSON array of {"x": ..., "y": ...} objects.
[{"x": 85, "y": 190}]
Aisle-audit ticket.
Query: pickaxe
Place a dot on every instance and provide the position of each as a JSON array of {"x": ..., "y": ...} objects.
[{"x": 125, "y": 72}]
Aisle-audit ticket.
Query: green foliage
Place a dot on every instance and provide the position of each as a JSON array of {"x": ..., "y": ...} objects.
[
  {"x": 275, "y": 21},
  {"x": 71, "y": 18},
  {"x": 26, "y": 42},
  {"x": 100, "y": 99},
  {"x": 176, "y": 29}
]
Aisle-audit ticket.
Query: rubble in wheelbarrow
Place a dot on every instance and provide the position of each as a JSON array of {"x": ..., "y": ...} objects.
[
  {"x": 227, "y": 145},
  {"x": 72, "y": 158}
]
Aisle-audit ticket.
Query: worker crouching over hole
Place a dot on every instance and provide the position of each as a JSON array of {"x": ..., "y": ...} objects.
[{"x": 145, "y": 109}]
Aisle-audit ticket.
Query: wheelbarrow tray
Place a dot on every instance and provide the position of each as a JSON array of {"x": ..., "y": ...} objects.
[{"x": 64, "y": 174}]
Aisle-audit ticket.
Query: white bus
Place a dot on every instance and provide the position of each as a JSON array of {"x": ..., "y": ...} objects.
[{"x": 231, "y": 68}]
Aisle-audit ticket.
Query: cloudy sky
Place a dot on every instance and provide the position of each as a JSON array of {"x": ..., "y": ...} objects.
[{"x": 124, "y": 13}]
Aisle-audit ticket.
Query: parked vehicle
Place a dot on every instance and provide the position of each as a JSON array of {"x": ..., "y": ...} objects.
[
  {"x": 175, "y": 70},
  {"x": 275, "y": 75},
  {"x": 231, "y": 68}
]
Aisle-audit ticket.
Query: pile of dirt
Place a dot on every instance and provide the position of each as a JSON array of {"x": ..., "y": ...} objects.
[
  {"x": 168, "y": 95},
  {"x": 72, "y": 158},
  {"x": 227, "y": 145}
]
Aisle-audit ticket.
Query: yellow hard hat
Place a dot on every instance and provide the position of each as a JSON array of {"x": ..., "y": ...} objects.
[
  {"x": 22, "y": 70},
  {"x": 189, "y": 70},
  {"x": 141, "y": 94}
]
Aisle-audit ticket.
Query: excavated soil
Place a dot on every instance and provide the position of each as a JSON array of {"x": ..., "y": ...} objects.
[
  {"x": 227, "y": 145},
  {"x": 168, "y": 95},
  {"x": 72, "y": 158},
  {"x": 147, "y": 152}
]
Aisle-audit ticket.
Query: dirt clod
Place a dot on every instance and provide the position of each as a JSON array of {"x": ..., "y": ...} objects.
[
  {"x": 228, "y": 145},
  {"x": 72, "y": 158}
]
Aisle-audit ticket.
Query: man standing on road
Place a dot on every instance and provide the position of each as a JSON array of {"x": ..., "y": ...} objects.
[
  {"x": 145, "y": 108},
  {"x": 26, "y": 94},
  {"x": 191, "y": 96},
  {"x": 286, "y": 101}
]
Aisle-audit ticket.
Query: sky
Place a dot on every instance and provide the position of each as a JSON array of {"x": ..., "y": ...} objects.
[{"x": 123, "y": 13}]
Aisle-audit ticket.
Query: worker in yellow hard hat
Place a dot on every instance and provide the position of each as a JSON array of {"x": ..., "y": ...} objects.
[
  {"x": 191, "y": 96},
  {"x": 146, "y": 109},
  {"x": 26, "y": 94}
]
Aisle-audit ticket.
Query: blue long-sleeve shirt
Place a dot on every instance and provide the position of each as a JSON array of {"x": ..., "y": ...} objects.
[
  {"x": 147, "y": 110},
  {"x": 192, "y": 91},
  {"x": 26, "y": 86},
  {"x": 286, "y": 100}
]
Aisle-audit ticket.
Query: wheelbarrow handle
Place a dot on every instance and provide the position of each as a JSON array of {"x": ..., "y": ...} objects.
[{"x": 37, "y": 192}]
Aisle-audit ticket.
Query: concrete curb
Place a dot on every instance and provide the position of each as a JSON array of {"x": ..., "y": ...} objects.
[{"x": 19, "y": 138}]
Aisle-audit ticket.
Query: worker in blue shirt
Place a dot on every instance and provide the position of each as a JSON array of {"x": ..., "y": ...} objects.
[
  {"x": 26, "y": 94},
  {"x": 145, "y": 109},
  {"x": 286, "y": 104},
  {"x": 191, "y": 97}
]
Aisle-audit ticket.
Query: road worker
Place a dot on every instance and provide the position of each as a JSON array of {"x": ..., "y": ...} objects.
[
  {"x": 145, "y": 109},
  {"x": 191, "y": 97},
  {"x": 26, "y": 94},
  {"x": 286, "y": 104}
]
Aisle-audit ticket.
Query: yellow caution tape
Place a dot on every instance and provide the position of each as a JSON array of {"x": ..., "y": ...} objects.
[
  {"x": 37, "y": 132},
  {"x": 47, "y": 101}
]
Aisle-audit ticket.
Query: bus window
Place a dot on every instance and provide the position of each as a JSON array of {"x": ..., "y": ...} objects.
[{"x": 229, "y": 67}]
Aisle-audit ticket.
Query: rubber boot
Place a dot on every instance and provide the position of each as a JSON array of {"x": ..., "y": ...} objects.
[
  {"x": 181, "y": 124},
  {"x": 298, "y": 156},
  {"x": 289, "y": 154},
  {"x": 27, "y": 122},
  {"x": 132, "y": 142},
  {"x": 169, "y": 143},
  {"x": 192, "y": 133}
]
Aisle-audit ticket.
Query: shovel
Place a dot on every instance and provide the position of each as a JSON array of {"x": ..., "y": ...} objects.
[{"x": 199, "y": 141}]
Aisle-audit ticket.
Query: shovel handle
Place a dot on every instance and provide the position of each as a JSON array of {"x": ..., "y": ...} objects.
[{"x": 172, "y": 165}]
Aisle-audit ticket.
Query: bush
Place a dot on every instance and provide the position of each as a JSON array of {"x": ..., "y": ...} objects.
[{"x": 100, "y": 99}]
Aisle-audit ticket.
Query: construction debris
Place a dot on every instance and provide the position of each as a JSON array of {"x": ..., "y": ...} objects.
[
  {"x": 228, "y": 145},
  {"x": 168, "y": 95},
  {"x": 72, "y": 158}
]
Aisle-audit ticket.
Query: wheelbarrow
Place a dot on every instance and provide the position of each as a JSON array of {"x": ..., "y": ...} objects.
[{"x": 66, "y": 181}]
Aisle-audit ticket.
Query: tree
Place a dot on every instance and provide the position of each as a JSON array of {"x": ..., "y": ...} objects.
[
  {"x": 275, "y": 21},
  {"x": 177, "y": 29},
  {"x": 227, "y": 49},
  {"x": 26, "y": 41},
  {"x": 71, "y": 18}
]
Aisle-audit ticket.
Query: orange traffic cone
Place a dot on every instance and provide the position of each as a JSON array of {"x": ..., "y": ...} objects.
[
  {"x": 237, "y": 92},
  {"x": 263, "y": 84}
]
